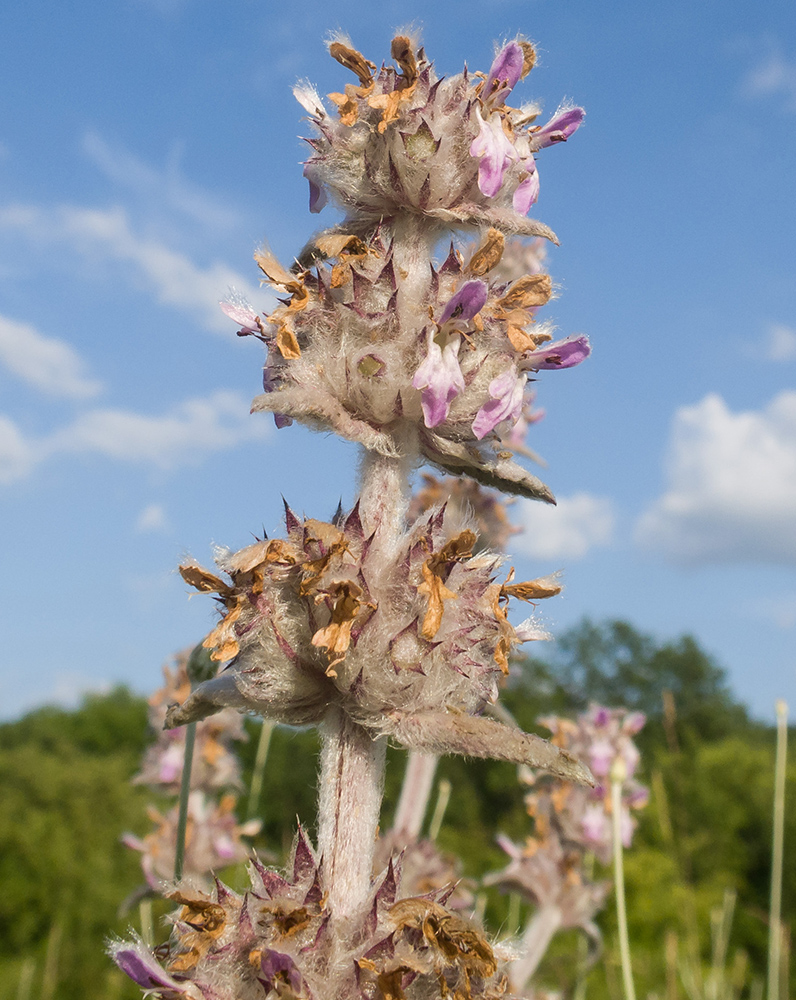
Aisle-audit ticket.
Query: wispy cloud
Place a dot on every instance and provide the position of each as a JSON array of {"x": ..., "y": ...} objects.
[
  {"x": 17, "y": 455},
  {"x": 773, "y": 76},
  {"x": 780, "y": 343},
  {"x": 164, "y": 187},
  {"x": 47, "y": 363},
  {"x": 186, "y": 434},
  {"x": 731, "y": 492},
  {"x": 152, "y": 519},
  {"x": 174, "y": 278},
  {"x": 566, "y": 531},
  {"x": 779, "y": 610}
]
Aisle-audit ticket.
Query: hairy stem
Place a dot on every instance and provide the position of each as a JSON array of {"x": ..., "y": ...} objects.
[
  {"x": 351, "y": 779},
  {"x": 535, "y": 941},
  {"x": 415, "y": 793}
]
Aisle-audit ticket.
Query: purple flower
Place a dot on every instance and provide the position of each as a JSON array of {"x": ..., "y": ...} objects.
[
  {"x": 528, "y": 189},
  {"x": 561, "y": 354},
  {"x": 561, "y": 126},
  {"x": 506, "y": 404},
  {"x": 465, "y": 304},
  {"x": 239, "y": 310},
  {"x": 440, "y": 378},
  {"x": 318, "y": 196},
  {"x": 495, "y": 152},
  {"x": 139, "y": 964},
  {"x": 279, "y": 969},
  {"x": 595, "y": 825},
  {"x": 601, "y": 756},
  {"x": 504, "y": 74}
]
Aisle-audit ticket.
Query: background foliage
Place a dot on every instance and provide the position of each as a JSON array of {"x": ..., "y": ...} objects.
[{"x": 65, "y": 798}]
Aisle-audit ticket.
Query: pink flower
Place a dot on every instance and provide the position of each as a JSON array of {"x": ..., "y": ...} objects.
[
  {"x": 504, "y": 74},
  {"x": 561, "y": 126},
  {"x": 506, "y": 404},
  {"x": 440, "y": 378},
  {"x": 528, "y": 189},
  {"x": 495, "y": 152},
  {"x": 237, "y": 307},
  {"x": 562, "y": 354},
  {"x": 465, "y": 305},
  {"x": 318, "y": 196}
]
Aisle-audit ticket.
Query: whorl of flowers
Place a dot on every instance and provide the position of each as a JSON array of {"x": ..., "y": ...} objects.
[
  {"x": 212, "y": 841},
  {"x": 571, "y": 823},
  {"x": 278, "y": 940},
  {"x": 374, "y": 340},
  {"x": 213, "y": 835},
  {"x": 411, "y": 646},
  {"x": 215, "y": 765},
  {"x": 599, "y": 737},
  {"x": 487, "y": 507}
]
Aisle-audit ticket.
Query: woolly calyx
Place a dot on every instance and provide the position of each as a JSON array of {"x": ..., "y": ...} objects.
[
  {"x": 279, "y": 939},
  {"x": 365, "y": 342},
  {"x": 407, "y": 140},
  {"x": 445, "y": 365},
  {"x": 409, "y": 645}
]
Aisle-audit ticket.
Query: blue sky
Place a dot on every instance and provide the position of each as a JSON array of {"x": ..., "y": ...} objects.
[{"x": 148, "y": 146}]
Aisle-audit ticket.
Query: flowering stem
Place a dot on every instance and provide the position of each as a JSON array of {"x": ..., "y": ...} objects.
[
  {"x": 351, "y": 780},
  {"x": 774, "y": 920},
  {"x": 618, "y": 775},
  {"x": 185, "y": 791}
]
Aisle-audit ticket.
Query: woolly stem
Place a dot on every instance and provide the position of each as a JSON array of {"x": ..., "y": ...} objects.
[
  {"x": 351, "y": 780},
  {"x": 535, "y": 942},
  {"x": 384, "y": 493}
]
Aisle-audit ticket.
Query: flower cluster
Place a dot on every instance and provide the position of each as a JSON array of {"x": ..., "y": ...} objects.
[
  {"x": 213, "y": 835},
  {"x": 279, "y": 940},
  {"x": 411, "y": 647},
  {"x": 571, "y": 824},
  {"x": 487, "y": 507},
  {"x": 373, "y": 338},
  {"x": 376, "y": 626},
  {"x": 215, "y": 764},
  {"x": 599, "y": 737}
]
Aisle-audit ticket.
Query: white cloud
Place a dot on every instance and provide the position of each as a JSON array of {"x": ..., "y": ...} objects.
[
  {"x": 106, "y": 233},
  {"x": 731, "y": 492},
  {"x": 186, "y": 434},
  {"x": 781, "y": 611},
  {"x": 152, "y": 519},
  {"x": 780, "y": 343},
  {"x": 566, "y": 531},
  {"x": 158, "y": 187},
  {"x": 46, "y": 363},
  {"x": 17, "y": 455},
  {"x": 773, "y": 76}
]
